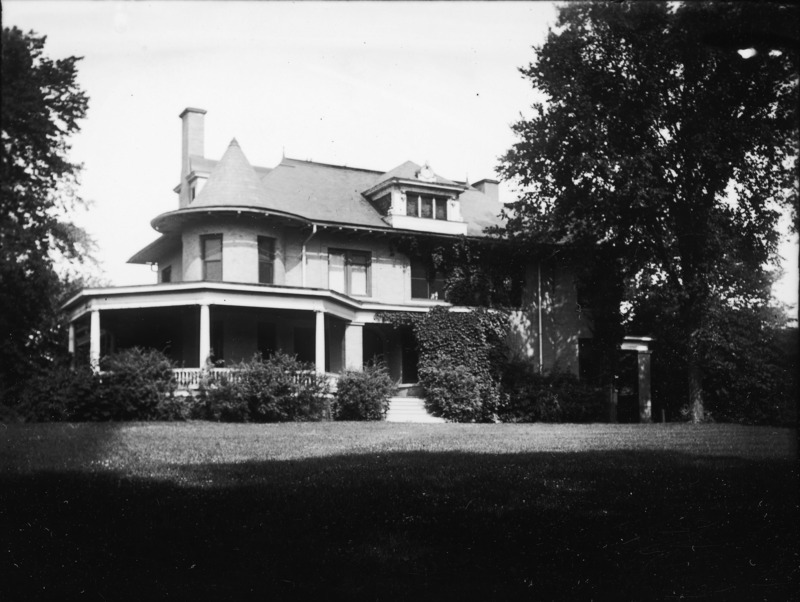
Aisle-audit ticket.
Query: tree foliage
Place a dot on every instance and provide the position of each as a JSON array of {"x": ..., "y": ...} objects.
[
  {"x": 42, "y": 104},
  {"x": 663, "y": 150},
  {"x": 477, "y": 272}
]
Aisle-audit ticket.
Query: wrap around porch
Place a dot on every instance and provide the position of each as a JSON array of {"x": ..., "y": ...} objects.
[{"x": 212, "y": 334}]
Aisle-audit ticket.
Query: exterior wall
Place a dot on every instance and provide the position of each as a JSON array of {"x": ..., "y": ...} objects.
[
  {"x": 175, "y": 261},
  {"x": 239, "y": 250},
  {"x": 562, "y": 324},
  {"x": 389, "y": 273}
]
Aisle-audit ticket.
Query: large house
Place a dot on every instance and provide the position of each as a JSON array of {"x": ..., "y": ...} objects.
[{"x": 300, "y": 257}]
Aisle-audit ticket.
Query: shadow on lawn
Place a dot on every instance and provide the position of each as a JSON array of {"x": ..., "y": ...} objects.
[{"x": 417, "y": 525}]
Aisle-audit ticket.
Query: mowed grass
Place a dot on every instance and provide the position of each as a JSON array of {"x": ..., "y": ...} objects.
[{"x": 200, "y": 511}]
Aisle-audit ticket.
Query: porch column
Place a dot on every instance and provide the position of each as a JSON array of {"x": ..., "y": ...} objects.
[
  {"x": 71, "y": 344},
  {"x": 94, "y": 339},
  {"x": 205, "y": 334},
  {"x": 319, "y": 348},
  {"x": 354, "y": 346},
  {"x": 644, "y": 386}
]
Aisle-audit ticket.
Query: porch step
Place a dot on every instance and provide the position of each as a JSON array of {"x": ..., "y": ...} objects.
[{"x": 409, "y": 409}]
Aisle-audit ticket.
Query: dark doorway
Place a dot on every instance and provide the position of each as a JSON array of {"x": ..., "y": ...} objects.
[
  {"x": 409, "y": 355},
  {"x": 373, "y": 347}
]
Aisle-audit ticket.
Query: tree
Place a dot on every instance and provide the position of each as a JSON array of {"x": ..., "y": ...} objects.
[
  {"x": 663, "y": 151},
  {"x": 41, "y": 106}
]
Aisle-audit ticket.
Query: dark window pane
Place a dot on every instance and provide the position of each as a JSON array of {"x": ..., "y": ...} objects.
[
  {"x": 418, "y": 269},
  {"x": 412, "y": 205},
  {"x": 266, "y": 273},
  {"x": 213, "y": 270},
  {"x": 166, "y": 274},
  {"x": 419, "y": 288},
  {"x": 427, "y": 208},
  {"x": 266, "y": 260},
  {"x": 441, "y": 208},
  {"x": 212, "y": 248}
]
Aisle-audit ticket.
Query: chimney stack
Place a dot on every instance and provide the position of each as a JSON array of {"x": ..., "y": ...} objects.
[
  {"x": 491, "y": 188},
  {"x": 193, "y": 145}
]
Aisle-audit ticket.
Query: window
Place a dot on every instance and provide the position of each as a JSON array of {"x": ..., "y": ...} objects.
[
  {"x": 412, "y": 205},
  {"x": 166, "y": 274},
  {"x": 349, "y": 272},
  {"x": 426, "y": 206},
  {"x": 212, "y": 256},
  {"x": 266, "y": 260},
  {"x": 425, "y": 282}
]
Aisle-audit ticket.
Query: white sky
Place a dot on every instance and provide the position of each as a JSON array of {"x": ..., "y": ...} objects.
[{"x": 361, "y": 84}]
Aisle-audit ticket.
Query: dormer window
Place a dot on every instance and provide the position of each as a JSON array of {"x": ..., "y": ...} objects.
[{"x": 426, "y": 206}]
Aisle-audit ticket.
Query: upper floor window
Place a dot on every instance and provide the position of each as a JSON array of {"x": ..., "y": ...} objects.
[
  {"x": 349, "y": 272},
  {"x": 426, "y": 206},
  {"x": 211, "y": 245},
  {"x": 166, "y": 274},
  {"x": 425, "y": 282},
  {"x": 266, "y": 260}
]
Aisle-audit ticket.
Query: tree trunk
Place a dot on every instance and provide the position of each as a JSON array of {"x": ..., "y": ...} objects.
[{"x": 695, "y": 375}]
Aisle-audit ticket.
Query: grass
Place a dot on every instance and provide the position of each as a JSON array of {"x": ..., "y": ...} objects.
[{"x": 388, "y": 512}]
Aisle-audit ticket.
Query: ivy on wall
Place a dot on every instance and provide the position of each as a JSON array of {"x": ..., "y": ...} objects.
[
  {"x": 478, "y": 273},
  {"x": 466, "y": 348}
]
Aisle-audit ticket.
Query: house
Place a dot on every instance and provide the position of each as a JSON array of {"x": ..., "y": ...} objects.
[{"x": 302, "y": 257}]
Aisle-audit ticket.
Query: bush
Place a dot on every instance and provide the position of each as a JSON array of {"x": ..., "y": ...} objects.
[
  {"x": 136, "y": 384},
  {"x": 554, "y": 397},
  {"x": 277, "y": 389},
  {"x": 363, "y": 395},
  {"x": 56, "y": 394},
  {"x": 456, "y": 394}
]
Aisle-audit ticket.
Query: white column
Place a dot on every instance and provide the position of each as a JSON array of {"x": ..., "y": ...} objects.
[
  {"x": 71, "y": 344},
  {"x": 94, "y": 339},
  {"x": 354, "y": 346},
  {"x": 205, "y": 334},
  {"x": 319, "y": 348},
  {"x": 645, "y": 401}
]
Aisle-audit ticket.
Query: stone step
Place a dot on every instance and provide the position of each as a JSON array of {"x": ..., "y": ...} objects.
[{"x": 409, "y": 409}]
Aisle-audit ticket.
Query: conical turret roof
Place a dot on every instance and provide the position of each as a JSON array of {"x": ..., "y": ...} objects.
[{"x": 233, "y": 181}]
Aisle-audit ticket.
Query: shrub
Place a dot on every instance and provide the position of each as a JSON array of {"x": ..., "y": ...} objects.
[
  {"x": 363, "y": 395},
  {"x": 55, "y": 394},
  {"x": 277, "y": 389},
  {"x": 136, "y": 384},
  {"x": 554, "y": 397},
  {"x": 456, "y": 394}
]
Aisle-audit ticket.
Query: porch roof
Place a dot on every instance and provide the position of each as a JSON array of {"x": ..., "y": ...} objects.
[{"x": 235, "y": 294}]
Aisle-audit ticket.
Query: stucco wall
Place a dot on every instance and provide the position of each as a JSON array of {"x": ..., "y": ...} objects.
[
  {"x": 388, "y": 272},
  {"x": 239, "y": 249},
  {"x": 562, "y": 324},
  {"x": 175, "y": 261}
]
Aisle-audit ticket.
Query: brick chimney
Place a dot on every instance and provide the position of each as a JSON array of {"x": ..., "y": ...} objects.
[
  {"x": 491, "y": 188},
  {"x": 193, "y": 145}
]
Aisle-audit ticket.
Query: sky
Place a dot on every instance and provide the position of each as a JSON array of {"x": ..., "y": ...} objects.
[{"x": 364, "y": 84}]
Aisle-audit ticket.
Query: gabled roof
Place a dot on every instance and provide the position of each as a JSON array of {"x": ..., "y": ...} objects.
[
  {"x": 317, "y": 192},
  {"x": 409, "y": 171},
  {"x": 233, "y": 181}
]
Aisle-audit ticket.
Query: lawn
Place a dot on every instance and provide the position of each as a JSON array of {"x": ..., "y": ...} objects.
[{"x": 200, "y": 511}]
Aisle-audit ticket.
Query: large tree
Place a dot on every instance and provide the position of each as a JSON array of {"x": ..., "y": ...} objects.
[
  {"x": 41, "y": 106},
  {"x": 663, "y": 155}
]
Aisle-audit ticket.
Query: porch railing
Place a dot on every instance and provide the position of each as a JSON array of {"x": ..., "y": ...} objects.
[{"x": 189, "y": 379}]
